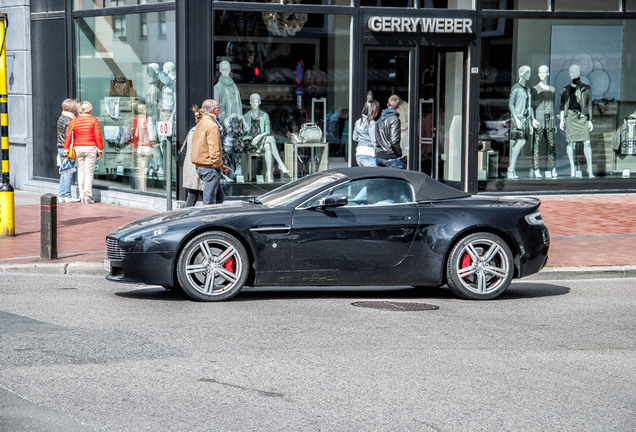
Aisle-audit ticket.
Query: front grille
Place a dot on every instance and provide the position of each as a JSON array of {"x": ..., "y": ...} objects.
[{"x": 113, "y": 250}]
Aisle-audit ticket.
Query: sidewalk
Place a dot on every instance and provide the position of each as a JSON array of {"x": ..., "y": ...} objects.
[{"x": 592, "y": 236}]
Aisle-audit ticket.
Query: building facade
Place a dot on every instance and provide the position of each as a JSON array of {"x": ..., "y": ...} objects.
[{"x": 499, "y": 96}]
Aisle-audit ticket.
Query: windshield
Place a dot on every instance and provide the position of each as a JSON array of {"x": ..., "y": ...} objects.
[{"x": 291, "y": 192}]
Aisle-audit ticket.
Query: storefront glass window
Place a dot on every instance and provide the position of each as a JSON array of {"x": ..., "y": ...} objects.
[
  {"x": 126, "y": 70},
  {"x": 557, "y": 102},
  {"x": 387, "y": 3},
  {"x": 631, "y": 5},
  {"x": 424, "y": 4},
  {"x": 587, "y": 5},
  {"x": 516, "y": 4},
  {"x": 283, "y": 81},
  {"x": 98, "y": 4}
]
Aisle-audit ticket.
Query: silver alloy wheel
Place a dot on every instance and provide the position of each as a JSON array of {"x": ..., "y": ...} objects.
[
  {"x": 488, "y": 266},
  {"x": 214, "y": 267}
]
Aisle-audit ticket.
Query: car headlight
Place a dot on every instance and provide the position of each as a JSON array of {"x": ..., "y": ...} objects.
[
  {"x": 150, "y": 233},
  {"x": 535, "y": 218}
]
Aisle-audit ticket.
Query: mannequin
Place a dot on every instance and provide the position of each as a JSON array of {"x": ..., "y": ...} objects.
[
  {"x": 263, "y": 141},
  {"x": 543, "y": 121},
  {"x": 576, "y": 107},
  {"x": 167, "y": 93},
  {"x": 167, "y": 112},
  {"x": 227, "y": 93},
  {"x": 520, "y": 113},
  {"x": 153, "y": 90}
]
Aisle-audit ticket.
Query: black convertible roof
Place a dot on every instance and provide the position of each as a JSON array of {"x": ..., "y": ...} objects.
[{"x": 426, "y": 188}]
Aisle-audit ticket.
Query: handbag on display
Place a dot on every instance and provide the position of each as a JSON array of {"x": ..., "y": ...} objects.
[
  {"x": 310, "y": 132},
  {"x": 67, "y": 166},
  {"x": 121, "y": 87}
]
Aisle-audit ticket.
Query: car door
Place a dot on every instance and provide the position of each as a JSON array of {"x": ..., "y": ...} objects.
[{"x": 373, "y": 232}]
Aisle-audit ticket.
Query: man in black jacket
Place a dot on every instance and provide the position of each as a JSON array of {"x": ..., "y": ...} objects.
[{"x": 388, "y": 152}]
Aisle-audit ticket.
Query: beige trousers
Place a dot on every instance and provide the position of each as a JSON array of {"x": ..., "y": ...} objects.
[{"x": 86, "y": 156}]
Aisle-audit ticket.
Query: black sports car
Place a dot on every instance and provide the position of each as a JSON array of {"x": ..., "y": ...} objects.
[{"x": 349, "y": 226}]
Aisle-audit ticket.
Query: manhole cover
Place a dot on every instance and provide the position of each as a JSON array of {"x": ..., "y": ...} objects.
[{"x": 395, "y": 306}]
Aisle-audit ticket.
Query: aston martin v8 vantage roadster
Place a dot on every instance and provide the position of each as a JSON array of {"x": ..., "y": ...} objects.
[{"x": 342, "y": 227}]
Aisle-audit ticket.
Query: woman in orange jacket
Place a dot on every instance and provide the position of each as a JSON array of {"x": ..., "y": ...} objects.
[{"x": 85, "y": 134}]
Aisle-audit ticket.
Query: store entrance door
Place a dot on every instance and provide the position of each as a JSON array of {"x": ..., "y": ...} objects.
[{"x": 431, "y": 81}]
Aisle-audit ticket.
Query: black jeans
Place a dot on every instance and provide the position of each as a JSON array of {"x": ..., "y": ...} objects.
[{"x": 192, "y": 197}]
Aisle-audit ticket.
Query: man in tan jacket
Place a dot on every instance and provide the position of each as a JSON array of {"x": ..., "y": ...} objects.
[{"x": 207, "y": 153}]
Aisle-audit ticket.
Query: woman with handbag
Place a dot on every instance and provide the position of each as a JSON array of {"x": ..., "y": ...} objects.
[
  {"x": 190, "y": 180},
  {"x": 84, "y": 136},
  {"x": 364, "y": 134}
]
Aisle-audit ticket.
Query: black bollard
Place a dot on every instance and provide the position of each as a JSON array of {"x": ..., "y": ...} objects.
[{"x": 48, "y": 227}]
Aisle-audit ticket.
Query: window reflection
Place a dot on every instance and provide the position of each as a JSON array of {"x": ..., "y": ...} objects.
[{"x": 126, "y": 69}]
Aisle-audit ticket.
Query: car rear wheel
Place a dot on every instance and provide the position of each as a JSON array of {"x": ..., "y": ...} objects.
[
  {"x": 480, "y": 267},
  {"x": 212, "y": 266}
]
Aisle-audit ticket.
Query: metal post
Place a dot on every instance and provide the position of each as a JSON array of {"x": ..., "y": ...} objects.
[
  {"x": 169, "y": 173},
  {"x": 7, "y": 215},
  {"x": 48, "y": 227}
]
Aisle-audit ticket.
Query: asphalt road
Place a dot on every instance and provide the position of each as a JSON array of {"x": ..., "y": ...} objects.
[{"x": 83, "y": 354}]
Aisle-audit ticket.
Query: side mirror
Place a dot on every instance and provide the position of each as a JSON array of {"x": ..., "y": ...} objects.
[{"x": 337, "y": 200}]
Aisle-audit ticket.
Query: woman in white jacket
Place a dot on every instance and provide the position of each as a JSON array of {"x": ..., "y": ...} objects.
[{"x": 364, "y": 134}]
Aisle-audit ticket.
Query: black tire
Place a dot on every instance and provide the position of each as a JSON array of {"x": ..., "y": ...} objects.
[
  {"x": 480, "y": 267},
  {"x": 213, "y": 266}
]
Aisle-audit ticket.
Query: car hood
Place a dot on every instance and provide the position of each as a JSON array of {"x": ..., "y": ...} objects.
[{"x": 214, "y": 211}]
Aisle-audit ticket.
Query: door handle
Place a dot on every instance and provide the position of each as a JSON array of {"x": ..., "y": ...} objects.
[{"x": 395, "y": 218}]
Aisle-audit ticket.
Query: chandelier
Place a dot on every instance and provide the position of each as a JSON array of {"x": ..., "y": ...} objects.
[{"x": 284, "y": 24}]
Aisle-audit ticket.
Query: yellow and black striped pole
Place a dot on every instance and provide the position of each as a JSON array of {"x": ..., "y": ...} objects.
[{"x": 7, "y": 215}]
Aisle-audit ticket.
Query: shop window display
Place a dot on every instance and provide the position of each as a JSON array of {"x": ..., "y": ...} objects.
[
  {"x": 556, "y": 101},
  {"x": 283, "y": 86},
  {"x": 132, "y": 83}
]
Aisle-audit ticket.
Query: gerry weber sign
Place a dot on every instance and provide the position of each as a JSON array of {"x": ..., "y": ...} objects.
[{"x": 423, "y": 25}]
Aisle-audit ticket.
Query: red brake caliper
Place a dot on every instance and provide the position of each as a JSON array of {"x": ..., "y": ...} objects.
[
  {"x": 466, "y": 262},
  {"x": 229, "y": 265}
]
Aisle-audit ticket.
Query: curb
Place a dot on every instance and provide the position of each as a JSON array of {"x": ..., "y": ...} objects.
[
  {"x": 72, "y": 268},
  {"x": 574, "y": 273},
  {"x": 547, "y": 274}
]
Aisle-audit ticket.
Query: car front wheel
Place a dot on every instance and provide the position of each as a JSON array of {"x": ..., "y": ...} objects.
[
  {"x": 213, "y": 266},
  {"x": 480, "y": 267}
]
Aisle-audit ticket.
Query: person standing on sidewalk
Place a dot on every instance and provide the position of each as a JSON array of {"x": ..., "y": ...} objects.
[
  {"x": 85, "y": 134},
  {"x": 364, "y": 134},
  {"x": 69, "y": 110},
  {"x": 388, "y": 134},
  {"x": 207, "y": 152},
  {"x": 190, "y": 179}
]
